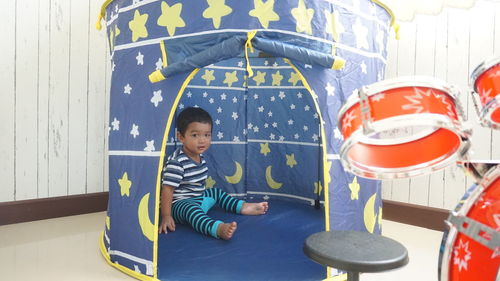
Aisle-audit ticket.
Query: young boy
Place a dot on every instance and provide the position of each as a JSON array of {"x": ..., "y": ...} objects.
[{"x": 184, "y": 198}]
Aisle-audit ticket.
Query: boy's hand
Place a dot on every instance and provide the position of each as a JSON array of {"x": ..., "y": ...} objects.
[{"x": 167, "y": 222}]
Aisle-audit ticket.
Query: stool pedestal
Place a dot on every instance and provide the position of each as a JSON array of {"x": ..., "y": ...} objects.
[{"x": 355, "y": 252}]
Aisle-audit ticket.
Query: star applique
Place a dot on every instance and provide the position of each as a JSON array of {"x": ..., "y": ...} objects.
[
  {"x": 171, "y": 17},
  {"x": 135, "y": 130},
  {"x": 264, "y": 148},
  {"x": 157, "y": 98},
  {"x": 330, "y": 89},
  {"x": 127, "y": 89},
  {"x": 259, "y": 78},
  {"x": 150, "y": 146},
  {"x": 216, "y": 10},
  {"x": 461, "y": 255},
  {"x": 303, "y": 17},
  {"x": 140, "y": 59},
  {"x": 264, "y": 12},
  {"x": 210, "y": 182},
  {"x": 230, "y": 78},
  {"x": 277, "y": 77},
  {"x": 115, "y": 124},
  {"x": 354, "y": 187},
  {"x": 294, "y": 78},
  {"x": 208, "y": 76},
  {"x": 290, "y": 160},
  {"x": 333, "y": 25},
  {"x": 125, "y": 185},
  {"x": 138, "y": 26}
]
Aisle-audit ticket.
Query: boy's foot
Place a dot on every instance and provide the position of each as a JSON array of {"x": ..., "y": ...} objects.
[
  {"x": 254, "y": 208},
  {"x": 226, "y": 230}
]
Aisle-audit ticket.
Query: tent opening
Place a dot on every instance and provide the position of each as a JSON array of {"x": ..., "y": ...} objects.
[{"x": 266, "y": 145}]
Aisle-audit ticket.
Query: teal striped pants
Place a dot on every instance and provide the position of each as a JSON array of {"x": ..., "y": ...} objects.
[{"x": 193, "y": 211}]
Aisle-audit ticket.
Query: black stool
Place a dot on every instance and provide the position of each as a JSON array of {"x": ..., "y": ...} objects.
[{"x": 355, "y": 252}]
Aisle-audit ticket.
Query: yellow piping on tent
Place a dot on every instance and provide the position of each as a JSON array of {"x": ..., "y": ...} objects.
[
  {"x": 104, "y": 5},
  {"x": 160, "y": 164},
  {"x": 323, "y": 140},
  {"x": 120, "y": 267},
  {"x": 248, "y": 45},
  {"x": 163, "y": 54},
  {"x": 393, "y": 17}
]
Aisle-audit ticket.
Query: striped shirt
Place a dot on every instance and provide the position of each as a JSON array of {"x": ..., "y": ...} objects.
[{"x": 185, "y": 175}]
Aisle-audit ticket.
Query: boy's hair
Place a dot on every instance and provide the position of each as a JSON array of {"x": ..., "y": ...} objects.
[{"x": 190, "y": 115}]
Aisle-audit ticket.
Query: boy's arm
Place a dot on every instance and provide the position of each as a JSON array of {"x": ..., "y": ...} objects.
[{"x": 167, "y": 221}]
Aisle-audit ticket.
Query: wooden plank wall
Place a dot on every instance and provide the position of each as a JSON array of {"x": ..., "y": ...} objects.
[
  {"x": 54, "y": 80},
  {"x": 448, "y": 46}
]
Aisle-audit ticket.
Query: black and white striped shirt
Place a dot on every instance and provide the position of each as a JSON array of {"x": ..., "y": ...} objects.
[{"x": 185, "y": 175}]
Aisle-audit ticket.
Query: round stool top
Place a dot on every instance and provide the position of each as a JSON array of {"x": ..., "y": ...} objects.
[{"x": 355, "y": 251}]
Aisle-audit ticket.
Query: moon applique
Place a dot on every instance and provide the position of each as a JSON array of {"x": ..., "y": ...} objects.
[
  {"x": 143, "y": 214},
  {"x": 270, "y": 181},
  {"x": 236, "y": 178},
  {"x": 370, "y": 217}
]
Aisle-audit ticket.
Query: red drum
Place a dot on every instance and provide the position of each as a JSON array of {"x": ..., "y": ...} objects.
[
  {"x": 485, "y": 80},
  {"x": 402, "y": 127},
  {"x": 471, "y": 247}
]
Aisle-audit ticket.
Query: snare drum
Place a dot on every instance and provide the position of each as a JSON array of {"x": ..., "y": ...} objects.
[
  {"x": 470, "y": 250},
  {"x": 485, "y": 80},
  {"x": 401, "y": 128}
]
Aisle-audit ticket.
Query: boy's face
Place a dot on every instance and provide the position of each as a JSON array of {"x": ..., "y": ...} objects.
[{"x": 196, "y": 139}]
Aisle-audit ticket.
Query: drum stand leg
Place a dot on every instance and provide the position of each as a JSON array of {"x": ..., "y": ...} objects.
[{"x": 352, "y": 276}]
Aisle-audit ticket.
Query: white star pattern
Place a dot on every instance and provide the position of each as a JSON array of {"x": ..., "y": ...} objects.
[
  {"x": 220, "y": 135},
  {"x": 205, "y": 94},
  {"x": 416, "y": 101},
  {"x": 299, "y": 95},
  {"x": 330, "y": 90},
  {"x": 217, "y": 122},
  {"x": 315, "y": 137},
  {"x": 296, "y": 136},
  {"x": 337, "y": 134},
  {"x": 181, "y": 106},
  {"x": 236, "y": 138},
  {"x": 250, "y": 126},
  {"x": 261, "y": 109},
  {"x": 240, "y": 63},
  {"x": 461, "y": 255},
  {"x": 290, "y": 122},
  {"x": 275, "y": 125},
  {"x": 255, "y": 96},
  {"x": 308, "y": 66},
  {"x": 255, "y": 129},
  {"x": 223, "y": 96},
  {"x": 361, "y": 33},
  {"x": 115, "y": 124},
  {"x": 150, "y": 146},
  {"x": 235, "y": 100},
  {"x": 315, "y": 115},
  {"x": 157, "y": 98},
  {"x": 282, "y": 95},
  {"x": 347, "y": 120},
  {"x": 305, "y": 128},
  {"x": 211, "y": 100},
  {"x": 292, "y": 107},
  {"x": 270, "y": 114},
  {"x": 275, "y": 64},
  {"x": 377, "y": 97},
  {"x": 189, "y": 94},
  {"x": 135, "y": 130},
  {"x": 219, "y": 110},
  {"x": 113, "y": 67},
  {"x": 127, "y": 89},
  {"x": 363, "y": 67},
  {"x": 234, "y": 115},
  {"x": 140, "y": 59},
  {"x": 306, "y": 108},
  {"x": 273, "y": 98},
  {"x": 282, "y": 138},
  {"x": 266, "y": 125},
  {"x": 266, "y": 63},
  {"x": 272, "y": 136},
  {"x": 159, "y": 64}
]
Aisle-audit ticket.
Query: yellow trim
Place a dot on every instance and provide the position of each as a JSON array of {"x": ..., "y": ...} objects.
[
  {"x": 338, "y": 63},
  {"x": 248, "y": 45},
  {"x": 102, "y": 13},
  {"x": 323, "y": 140},
  {"x": 163, "y": 54},
  {"x": 342, "y": 277},
  {"x": 156, "y": 76},
  {"x": 120, "y": 267},
  {"x": 393, "y": 17},
  {"x": 160, "y": 165}
]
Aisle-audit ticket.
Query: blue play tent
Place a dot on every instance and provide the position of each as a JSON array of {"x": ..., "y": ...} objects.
[{"x": 273, "y": 75}]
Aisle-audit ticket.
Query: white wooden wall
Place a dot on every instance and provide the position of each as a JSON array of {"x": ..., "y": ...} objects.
[
  {"x": 448, "y": 46},
  {"x": 53, "y": 109}
]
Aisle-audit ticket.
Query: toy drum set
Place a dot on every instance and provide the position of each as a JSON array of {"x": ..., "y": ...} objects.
[{"x": 410, "y": 126}]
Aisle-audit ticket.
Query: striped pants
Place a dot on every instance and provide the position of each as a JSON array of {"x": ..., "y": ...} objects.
[{"x": 193, "y": 211}]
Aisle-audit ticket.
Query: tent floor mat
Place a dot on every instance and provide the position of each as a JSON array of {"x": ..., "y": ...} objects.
[{"x": 267, "y": 247}]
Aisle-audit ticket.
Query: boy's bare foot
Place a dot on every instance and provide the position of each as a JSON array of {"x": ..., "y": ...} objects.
[
  {"x": 254, "y": 208},
  {"x": 226, "y": 230}
]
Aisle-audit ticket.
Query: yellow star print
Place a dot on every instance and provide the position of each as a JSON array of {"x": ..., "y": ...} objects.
[
  {"x": 210, "y": 182},
  {"x": 294, "y": 78},
  {"x": 216, "y": 10},
  {"x": 117, "y": 31},
  {"x": 264, "y": 12},
  {"x": 290, "y": 160},
  {"x": 264, "y": 148},
  {"x": 208, "y": 76},
  {"x": 354, "y": 187},
  {"x": 303, "y": 17},
  {"x": 171, "y": 17},
  {"x": 260, "y": 78},
  {"x": 277, "y": 77},
  {"x": 138, "y": 26},
  {"x": 230, "y": 78},
  {"x": 125, "y": 185},
  {"x": 330, "y": 25},
  {"x": 327, "y": 175},
  {"x": 317, "y": 187}
]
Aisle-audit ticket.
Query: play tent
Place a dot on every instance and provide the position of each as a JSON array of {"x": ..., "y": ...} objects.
[{"x": 273, "y": 75}]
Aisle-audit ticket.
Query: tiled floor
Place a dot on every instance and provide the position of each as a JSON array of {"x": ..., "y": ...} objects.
[{"x": 67, "y": 249}]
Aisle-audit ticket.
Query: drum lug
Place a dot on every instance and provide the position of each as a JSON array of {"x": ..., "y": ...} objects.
[
  {"x": 476, "y": 231},
  {"x": 476, "y": 101},
  {"x": 365, "y": 108}
]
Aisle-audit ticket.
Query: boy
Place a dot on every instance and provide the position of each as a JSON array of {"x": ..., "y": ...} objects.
[{"x": 184, "y": 198}]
